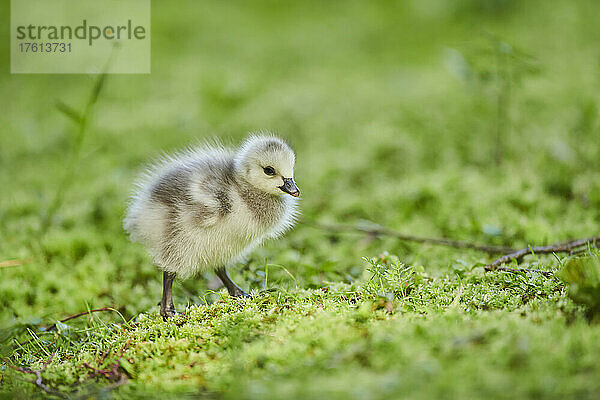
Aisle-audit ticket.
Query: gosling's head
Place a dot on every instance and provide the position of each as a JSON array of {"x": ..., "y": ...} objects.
[{"x": 267, "y": 163}]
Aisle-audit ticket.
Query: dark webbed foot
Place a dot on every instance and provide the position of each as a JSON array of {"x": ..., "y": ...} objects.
[
  {"x": 233, "y": 289},
  {"x": 240, "y": 294},
  {"x": 167, "y": 313}
]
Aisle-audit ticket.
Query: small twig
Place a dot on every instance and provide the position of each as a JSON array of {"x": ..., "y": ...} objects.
[
  {"x": 547, "y": 274},
  {"x": 13, "y": 263},
  {"x": 577, "y": 252},
  {"x": 53, "y": 326},
  {"x": 49, "y": 361},
  {"x": 81, "y": 314},
  {"x": 124, "y": 349},
  {"x": 38, "y": 377},
  {"x": 555, "y": 248},
  {"x": 374, "y": 229},
  {"x": 40, "y": 384},
  {"x": 114, "y": 371},
  {"x": 23, "y": 370}
]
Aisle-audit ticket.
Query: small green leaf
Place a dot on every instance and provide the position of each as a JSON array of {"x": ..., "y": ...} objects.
[
  {"x": 582, "y": 274},
  {"x": 68, "y": 111}
]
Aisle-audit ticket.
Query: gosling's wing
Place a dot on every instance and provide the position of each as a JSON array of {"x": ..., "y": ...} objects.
[
  {"x": 210, "y": 202},
  {"x": 201, "y": 187}
]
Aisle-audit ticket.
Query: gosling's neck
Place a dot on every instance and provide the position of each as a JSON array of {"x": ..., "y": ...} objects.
[{"x": 267, "y": 208}]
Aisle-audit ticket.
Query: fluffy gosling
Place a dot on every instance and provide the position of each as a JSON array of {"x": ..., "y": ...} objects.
[{"x": 207, "y": 207}]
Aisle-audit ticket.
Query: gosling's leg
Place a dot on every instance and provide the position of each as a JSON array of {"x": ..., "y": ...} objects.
[
  {"x": 233, "y": 289},
  {"x": 167, "y": 309}
]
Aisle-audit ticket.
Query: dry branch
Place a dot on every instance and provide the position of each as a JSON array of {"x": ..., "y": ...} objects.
[
  {"x": 376, "y": 230},
  {"x": 555, "y": 248},
  {"x": 547, "y": 274},
  {"x": 114, "y": 373},
  {"x": 573, "y": 247},
  {"x": 81, "y": 314},
  {"x": 38, "y": 377}
]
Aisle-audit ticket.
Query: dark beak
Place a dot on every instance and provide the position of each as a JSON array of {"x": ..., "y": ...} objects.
[{"x": 289, "y": 186}]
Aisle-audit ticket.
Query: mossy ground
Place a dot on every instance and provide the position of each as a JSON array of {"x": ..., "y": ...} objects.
[{"x": 474, "y": 121}]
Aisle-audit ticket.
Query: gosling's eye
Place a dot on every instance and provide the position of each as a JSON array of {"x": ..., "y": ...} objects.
[{"x": 269, "y": 171}]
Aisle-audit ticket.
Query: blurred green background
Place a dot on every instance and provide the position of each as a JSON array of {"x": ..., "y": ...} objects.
[{"x": 475, "y": 120}]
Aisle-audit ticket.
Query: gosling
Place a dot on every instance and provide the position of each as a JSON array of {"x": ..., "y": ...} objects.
[{"x": 207, "y": 207}]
